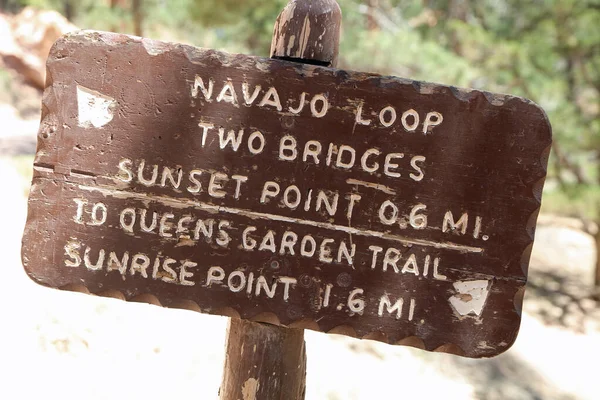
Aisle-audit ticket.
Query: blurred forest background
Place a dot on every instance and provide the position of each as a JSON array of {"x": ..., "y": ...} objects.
[{"x": 544, "y": 50}]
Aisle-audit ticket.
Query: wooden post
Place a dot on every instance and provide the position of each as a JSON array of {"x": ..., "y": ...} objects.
[
  {"x": 263, "y": 362},
  {"x": 136, "y": 10},
  {"x": 266, "y": 361},
  {"x": 308, "y": 31}
]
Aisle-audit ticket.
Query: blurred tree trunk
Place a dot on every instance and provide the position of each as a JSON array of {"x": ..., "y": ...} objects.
[
  {"x": 114, "y": 4},
  {"x": 457, "y": 10},
  {"x": 69, "y": 10},
  {"x": 372, "y": 24},
  {"x": 596, "y": 293},
  {"x": 11, "y": 6},
  {"x": 118, "y": 24},
  {"x": 138, "y": 18},
  {"x": 558, "y": 169},
  {"x": 565, "y": 163}
]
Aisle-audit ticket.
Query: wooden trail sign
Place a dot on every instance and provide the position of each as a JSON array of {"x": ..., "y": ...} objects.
[{"x": 298, "y": 195}]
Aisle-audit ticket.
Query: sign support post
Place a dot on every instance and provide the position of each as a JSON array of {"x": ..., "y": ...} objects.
[{"x": 265, "y": 361}]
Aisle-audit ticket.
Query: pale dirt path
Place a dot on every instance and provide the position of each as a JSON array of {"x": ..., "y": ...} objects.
[{"x": 58, "y": 344}]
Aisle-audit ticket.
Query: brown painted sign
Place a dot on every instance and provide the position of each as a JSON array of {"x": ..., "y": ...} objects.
[{"x": 305, "y": 196}]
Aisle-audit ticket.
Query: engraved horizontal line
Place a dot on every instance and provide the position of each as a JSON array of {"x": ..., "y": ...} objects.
[
  {"x": 377, "y": 186},
  {"x": 44, "y": 167},
  {"x": 49, "y": 168},
  {"x": 82, "y": 174},
  {"x": 280, "y": 218}
]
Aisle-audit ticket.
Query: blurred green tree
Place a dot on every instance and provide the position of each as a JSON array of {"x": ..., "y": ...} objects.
[{"x": 250, "y": 21}]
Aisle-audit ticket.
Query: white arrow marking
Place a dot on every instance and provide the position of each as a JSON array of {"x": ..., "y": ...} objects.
[
  {"x": 95, "y": 109},
  {"x": 471, "y": 297}
]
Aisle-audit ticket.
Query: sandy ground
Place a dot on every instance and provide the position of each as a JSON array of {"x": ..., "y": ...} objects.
[{"x": 72, "y": 346}]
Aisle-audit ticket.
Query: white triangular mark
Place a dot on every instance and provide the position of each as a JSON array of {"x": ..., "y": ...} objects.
[
  {"x": 94, "y": 108},
  {"x": 471, "y": 297}
]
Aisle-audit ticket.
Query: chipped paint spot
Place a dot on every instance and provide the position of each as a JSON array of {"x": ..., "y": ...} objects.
[
  {"x": 291, "y": 44},
  {"x": 94, "y": 108},
  {"x": 483, "y": 345},
  {"x": 462, "y": 94},
  {"x": 185, "y": 242},
  {"x": 154, "y": 47},
  {"x": 495, "y": 99},
  {"x": 427, "y": 87},
  {"x": 304, "y": 35},
  {"x": 250, "y": 388},
  {"x": 471, "y": 297}
]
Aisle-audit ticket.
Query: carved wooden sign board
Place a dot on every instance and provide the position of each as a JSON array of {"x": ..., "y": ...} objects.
[{"x": 299, "y": 195}]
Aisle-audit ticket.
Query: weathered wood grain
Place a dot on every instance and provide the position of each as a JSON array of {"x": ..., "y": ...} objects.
[
  {"x": 109, "y": 123},
  {"x": 263, "y": 362},
  {"x": 308, "y": 32}
]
